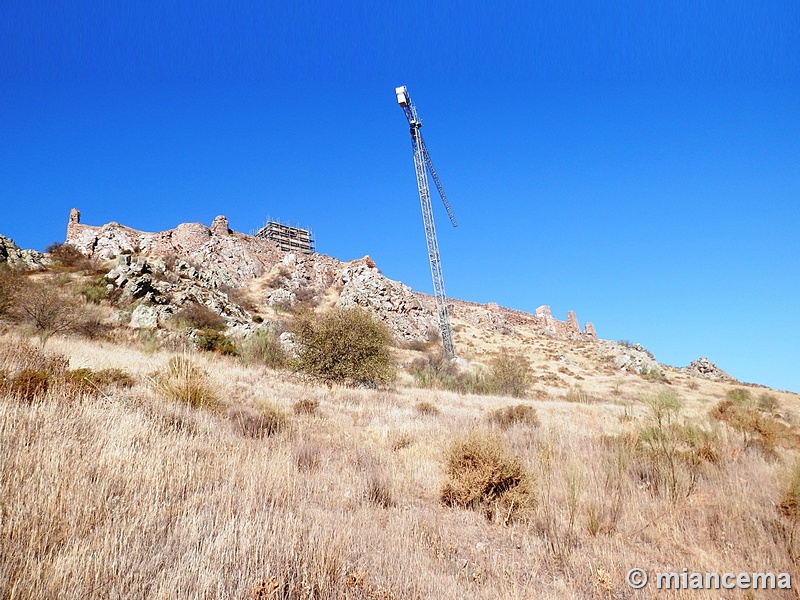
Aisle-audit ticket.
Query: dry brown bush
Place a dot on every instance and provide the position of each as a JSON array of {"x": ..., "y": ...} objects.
[
  {"x": 50, "y": 308},
  {"x": 11, "y": 285},
  {"x": 258, "y": 423},
  {"x": 482, "y": 474},
  {"x": 197, "y": 316},
  {"x": 306, "y": 406},
  {"x": 762, "y": 430},
  {"x": 507, "y": 416},
  {"x": 427, "y": 409}
]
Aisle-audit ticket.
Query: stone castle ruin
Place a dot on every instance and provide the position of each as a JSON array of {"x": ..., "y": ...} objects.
[{"x": 193, "y": 263}]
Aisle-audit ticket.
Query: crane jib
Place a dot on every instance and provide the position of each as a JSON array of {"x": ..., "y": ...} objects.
[{"x": 422, "y": 165}]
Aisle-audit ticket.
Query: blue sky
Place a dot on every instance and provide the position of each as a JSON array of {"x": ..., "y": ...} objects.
[{"x": 636, "y": 162}]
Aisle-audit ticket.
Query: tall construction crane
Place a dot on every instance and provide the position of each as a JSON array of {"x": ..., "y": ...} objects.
[{"x": 422, "y": 160}]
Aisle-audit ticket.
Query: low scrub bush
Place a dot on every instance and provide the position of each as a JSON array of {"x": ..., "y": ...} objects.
[
  {"x": 482, "y": 474},
  {"x": 68, "y": 257},
  {"x": 95, "y": 291},
  {"x": 91, "y": 381},
  {"x": 306, "y": 406},
  {"x": 198, "y": 316},
  {"x": 214, "y": 341},
  {"x": 510, "y": 374},
  {"x": 762, "y": 430},
  {"x": 49, "y": 308},
  {"x": 426, "y": 408},
  {"x": 510, "y": 415},
  {"x": 670, "y": 455},
  {"x": 437, "y": 371},
  {"x": 182, "y": 381},
  {"x": 264, "y": 347},
  {"x": 259, "y": 423},
  {"x": 345, "y": 345},
  {"x": 28, "y": 384}
]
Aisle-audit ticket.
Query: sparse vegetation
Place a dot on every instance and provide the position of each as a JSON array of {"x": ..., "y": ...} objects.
[
  {"x": 344, "y": 346},
  {"x": 436, "y": 371}
]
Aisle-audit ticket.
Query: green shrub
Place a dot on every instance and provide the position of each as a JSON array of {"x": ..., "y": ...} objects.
[
  {"x": 180, "y": 380},
  {"x": 482, "y": 474},
  {"x": 740, "y": 397},
  {"x": 96, "y": 291},
  {"x": 345, "y": 345},
  {"x": 214, "y": 341},
  {"x": 509, "y": 415},
  {"x": 437, "y": 371},
  {"x": 511, "y": 374},
  {"x": 653, "y": 374},
  {"x": 670, "y": 455},
  {"x": 264, "y": 347}
]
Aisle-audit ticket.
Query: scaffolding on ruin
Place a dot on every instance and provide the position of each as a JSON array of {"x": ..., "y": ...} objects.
[{"x": 289, "y": 239}]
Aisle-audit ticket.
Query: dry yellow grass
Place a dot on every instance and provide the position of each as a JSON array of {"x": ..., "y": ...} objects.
[{"x": 131, "y": 496}]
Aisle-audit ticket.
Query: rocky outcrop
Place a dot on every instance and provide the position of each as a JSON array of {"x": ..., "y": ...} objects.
[
  {"x": 158, "y": 289},
  {"x": 235, "y": 258},
  {"x": 194, "y": 263},
  {"x": 19, "y": 259},
  {"x": 392, "y": 302},
  {"x": 630, "y": 358},
  {"x": 702, "y": 367}
]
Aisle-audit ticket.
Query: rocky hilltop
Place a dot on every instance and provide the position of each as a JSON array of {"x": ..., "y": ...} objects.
[
  {"x": 215, "y": 265},
  {"x": 151, "y": 279}
]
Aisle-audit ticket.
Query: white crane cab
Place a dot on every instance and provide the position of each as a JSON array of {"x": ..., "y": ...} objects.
[{"x": 402, "y": 95}]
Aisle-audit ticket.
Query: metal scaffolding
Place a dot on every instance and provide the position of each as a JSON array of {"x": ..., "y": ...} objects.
[{"x": 289, "y": 239}]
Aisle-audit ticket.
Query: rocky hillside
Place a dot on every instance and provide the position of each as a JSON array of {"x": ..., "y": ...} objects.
[{"x": 252, "y": 284}]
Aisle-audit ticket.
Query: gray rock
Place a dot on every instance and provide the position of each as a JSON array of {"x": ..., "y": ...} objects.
[
  {"x": 21, "y": 260},
  {"x": 144, "y": 317}
]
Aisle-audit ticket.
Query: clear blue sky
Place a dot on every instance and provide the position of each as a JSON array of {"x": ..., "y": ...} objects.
[{"x": 636, "y": 162}]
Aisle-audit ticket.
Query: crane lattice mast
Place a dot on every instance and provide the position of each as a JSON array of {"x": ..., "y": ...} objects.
[{"x": 422, "y": 160}]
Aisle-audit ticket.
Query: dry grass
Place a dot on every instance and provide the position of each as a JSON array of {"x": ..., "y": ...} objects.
[
  {"x": 131, "y": 495},
  {"x": 183, "y": 381}
]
